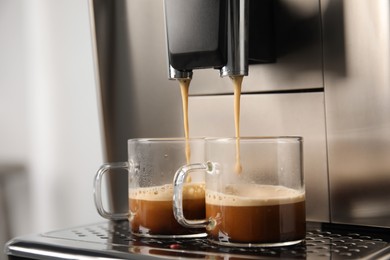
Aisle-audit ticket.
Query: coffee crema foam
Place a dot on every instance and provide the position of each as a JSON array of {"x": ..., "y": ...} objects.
[
  {"x": 254, "y": 195},
  {"x": 165, "y": 192}
]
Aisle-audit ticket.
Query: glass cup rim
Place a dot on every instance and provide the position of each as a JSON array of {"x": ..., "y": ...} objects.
[
  {"x": 261, "y": 139},
  {"x": 272, "y": 139},
  {"x": 164, "y": 139}
]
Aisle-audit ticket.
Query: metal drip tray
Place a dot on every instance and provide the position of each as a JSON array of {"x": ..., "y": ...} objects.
[{"x": 113, "y": 240}]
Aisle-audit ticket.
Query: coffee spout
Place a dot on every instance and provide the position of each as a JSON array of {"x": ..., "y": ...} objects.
[
  {"x": 179, "y": 74},
  {"x": 237, "y": 39}
]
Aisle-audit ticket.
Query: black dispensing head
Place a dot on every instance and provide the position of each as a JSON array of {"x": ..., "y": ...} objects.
[
  {"x": 215, "y": 34},
  {"x": 196, "y": 33}
]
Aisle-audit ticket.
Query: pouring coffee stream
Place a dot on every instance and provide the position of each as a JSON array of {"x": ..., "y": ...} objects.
[
  {"x": 184, "y": 88},
  {"x": 237, "y": 82}
]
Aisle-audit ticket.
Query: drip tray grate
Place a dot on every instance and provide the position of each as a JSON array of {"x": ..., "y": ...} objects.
[
  {"x": 113, "y": 240},
  {"x": 321, "y": 241}
]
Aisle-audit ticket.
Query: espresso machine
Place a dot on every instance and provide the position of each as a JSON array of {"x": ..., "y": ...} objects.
[{"x": 317, "y": 69}]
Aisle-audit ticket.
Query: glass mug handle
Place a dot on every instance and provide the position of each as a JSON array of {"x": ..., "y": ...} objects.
[
  {"x": 97, "y": 188},
  {"x": 178, "y": 182}
]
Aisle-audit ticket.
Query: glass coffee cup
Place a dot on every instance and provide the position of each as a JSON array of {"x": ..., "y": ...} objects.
[
  {"x": 255, "y": 194},
  {"x": 151, "y": 166}
]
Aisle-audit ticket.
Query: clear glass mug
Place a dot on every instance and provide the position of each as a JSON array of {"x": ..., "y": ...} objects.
[
  {"x": 151, "y": 166},
  {"x": 255, "y": 194}
]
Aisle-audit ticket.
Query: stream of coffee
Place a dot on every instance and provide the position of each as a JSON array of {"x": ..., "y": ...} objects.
[
  {"x": 184, "y": 86},
  {"x": 237, "y": 83}
]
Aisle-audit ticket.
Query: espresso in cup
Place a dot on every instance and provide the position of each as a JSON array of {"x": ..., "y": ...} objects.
[
  {"x": 151, "y": 210},
  {"x": 261, "y": 205},
  {"x": 251, "y": 212},
  {"x": 151, "y": 166}
]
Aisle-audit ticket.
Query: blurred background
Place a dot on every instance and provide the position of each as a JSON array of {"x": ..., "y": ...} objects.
[{"x": 50, "y": 144}]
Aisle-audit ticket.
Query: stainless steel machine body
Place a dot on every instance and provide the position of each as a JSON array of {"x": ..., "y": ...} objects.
[{"x": 330, "y": 84}]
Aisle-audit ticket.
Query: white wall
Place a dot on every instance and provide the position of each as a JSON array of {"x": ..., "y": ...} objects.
[
  {"x": 48, "y": 112},
  {"x": 12, "y": 81}
]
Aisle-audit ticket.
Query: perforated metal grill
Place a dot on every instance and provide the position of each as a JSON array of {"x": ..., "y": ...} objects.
[{"x": 322, "y": 242}]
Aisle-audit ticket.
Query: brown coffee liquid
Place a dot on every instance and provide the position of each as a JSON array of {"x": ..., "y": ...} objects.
[
  {"x": 257, "y": 214},
  {"x": 151, "y": 211},
  {"x": 184, "y": 87},
  {"x": 237, "y": 83}
]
